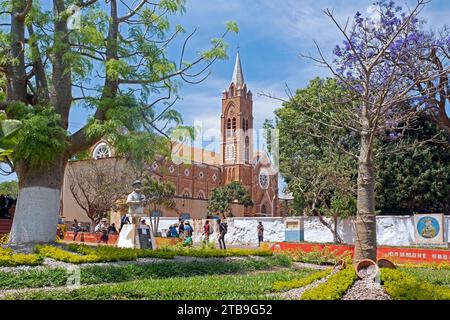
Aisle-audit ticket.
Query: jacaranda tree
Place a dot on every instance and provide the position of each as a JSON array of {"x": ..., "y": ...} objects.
[
  {"x": 110, "y": 57},
  {"x": 381, "y": 62}
]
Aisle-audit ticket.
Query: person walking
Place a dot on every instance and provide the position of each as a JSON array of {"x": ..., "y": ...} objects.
[
  {"x": 260, "y": 230},
  {"x": 223, "y": 229},
  {"x": 76, "y": 228},
  {"x": 207, "y": 231}
]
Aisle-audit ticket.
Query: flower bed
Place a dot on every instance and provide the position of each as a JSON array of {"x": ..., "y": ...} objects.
[{"x": 335, "y": 287}]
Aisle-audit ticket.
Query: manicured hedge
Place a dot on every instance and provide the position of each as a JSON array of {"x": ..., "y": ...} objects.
[
  {"x": 402, "y": 286},
  {"x": 301, "y": 282},
  {"x": 334, "y": 288},
  {"x": 10, "y": 259}
]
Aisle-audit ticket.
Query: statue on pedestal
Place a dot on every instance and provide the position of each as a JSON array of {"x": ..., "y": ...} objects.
[{"x": 136, "y": 202}]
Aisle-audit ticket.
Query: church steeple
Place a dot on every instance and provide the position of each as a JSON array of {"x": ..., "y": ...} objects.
[{"x": 238, "y": 75}]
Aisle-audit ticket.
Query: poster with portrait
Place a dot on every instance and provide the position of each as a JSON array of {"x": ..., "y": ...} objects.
[{"x": 429, "y": 228}]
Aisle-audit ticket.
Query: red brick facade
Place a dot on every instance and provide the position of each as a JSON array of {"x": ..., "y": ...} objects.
[{"x": 237, "y": 161}]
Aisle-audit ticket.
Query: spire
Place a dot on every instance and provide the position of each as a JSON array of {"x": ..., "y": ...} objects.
[{"x": 238, "y": 75}]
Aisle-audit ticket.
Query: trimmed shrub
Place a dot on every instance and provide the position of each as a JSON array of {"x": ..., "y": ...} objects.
[
  {"x": 66, "y": 256},
  {"x": 299, "y": 283},
  {"x": 10, "y": 259},
  {"x": 335, "y": 287},
  {"x": 402, "y": 286}
]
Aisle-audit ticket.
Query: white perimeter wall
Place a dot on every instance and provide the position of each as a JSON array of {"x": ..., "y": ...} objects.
[{"x": 391, "y": 230}]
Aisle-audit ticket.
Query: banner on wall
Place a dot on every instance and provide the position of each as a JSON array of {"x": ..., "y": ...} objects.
[{"x": 429, "y": 228}]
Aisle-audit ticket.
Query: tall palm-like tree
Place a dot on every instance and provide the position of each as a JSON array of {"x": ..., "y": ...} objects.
[{"x": 160, "y": 196}]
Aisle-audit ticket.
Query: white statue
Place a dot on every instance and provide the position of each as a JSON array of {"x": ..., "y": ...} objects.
[{"x": 136, "y": 200}]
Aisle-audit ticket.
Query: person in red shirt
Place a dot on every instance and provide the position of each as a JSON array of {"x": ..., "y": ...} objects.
[{"x": 206, "y": 232}]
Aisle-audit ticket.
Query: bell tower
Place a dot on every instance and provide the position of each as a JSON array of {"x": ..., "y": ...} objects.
[{"x": 237, "y": 128}]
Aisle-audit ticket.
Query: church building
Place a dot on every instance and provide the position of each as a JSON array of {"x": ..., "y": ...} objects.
[{"x": 194, "y": 181}]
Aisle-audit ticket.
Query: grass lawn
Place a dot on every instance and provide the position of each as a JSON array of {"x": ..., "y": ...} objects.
[
  {"x": 114, "y": 274},
  {"x": 206, "y": 287}
]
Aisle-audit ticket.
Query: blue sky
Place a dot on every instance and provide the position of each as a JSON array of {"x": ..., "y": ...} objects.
[{"x": 272, "y": 36}]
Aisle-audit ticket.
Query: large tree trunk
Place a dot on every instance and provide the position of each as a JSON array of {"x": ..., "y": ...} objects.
[
  {"x": 366, "y": 229},
  {"x": 38, "y": 204}
]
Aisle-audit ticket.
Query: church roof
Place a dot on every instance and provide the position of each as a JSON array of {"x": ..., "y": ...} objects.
[{"x": 238, "y": 75}]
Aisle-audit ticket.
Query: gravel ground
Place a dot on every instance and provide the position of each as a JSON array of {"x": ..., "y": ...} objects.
[{"x": 368, "y": 287}]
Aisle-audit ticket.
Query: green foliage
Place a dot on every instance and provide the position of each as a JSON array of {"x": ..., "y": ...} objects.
[
  {"x": 33, "y": 278},
  {"x": 10, "y": 259},
  {"x": 84, "y": 254},
  {"x": 108, "y": 274},
  {"x": 414, "y": 176},
  {"x": 9, "y": 187},
  {"x": 402, "y": 286},
  {"x": 334, "y": 288},
  {"x": 321, "y": 178},
  {"x": 41, "y": 138},
  {"x": 218, "y": 287},
  {"x": 434, "y": 276},
  {"x": 317, "y": 256},
  {"x": 221, "y": 198},
  {"x": 142, "y": 76},
  {"x": 65, "y": 256},
  {"x": 301, "y": 282}
]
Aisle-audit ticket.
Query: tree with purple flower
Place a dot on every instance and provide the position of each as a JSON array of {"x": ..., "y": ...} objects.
[{"x": 386, "y": 63}]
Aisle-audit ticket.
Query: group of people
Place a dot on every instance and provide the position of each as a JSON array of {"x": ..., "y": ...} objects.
[
  {"x": 103, "y": 228},
  {"x": 181, "y": 230},
  {"x": 184, "y": 230},
  {"x": 7, "y": 206}
]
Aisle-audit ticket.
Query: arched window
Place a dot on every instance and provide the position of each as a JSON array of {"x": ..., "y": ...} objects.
[
  {"x": 102, "y": 151},
  {"x": 264, "y": 209},
  {"x": 247, "y": 149},
  {"x": 234, "y": 127},
  {"x": 201, "y": 195},
  {"x": 186, "y": 194},
  {"x": 233, "y": 153},
  {"x": 227, "y": 152},
  {"x": 246, "y": 125},
  {"x": 229, "y": 128}
]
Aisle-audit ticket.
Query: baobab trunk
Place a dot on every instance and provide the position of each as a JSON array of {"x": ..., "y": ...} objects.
[
  {"x": 366, "y": 228},
  {"x": 38, "y": 203}
]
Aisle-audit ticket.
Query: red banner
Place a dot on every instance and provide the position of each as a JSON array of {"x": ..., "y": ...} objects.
[{"x": 396, "y": 254}]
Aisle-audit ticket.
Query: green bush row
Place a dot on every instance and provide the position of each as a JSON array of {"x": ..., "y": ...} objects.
[
  {"x": 10, "y": 259},
  {"x": 402, "y": 286},
  {"x": 301, "y": 282},
  {"x": 85, "y": 254},
  {"x": 334, "y": 288}
]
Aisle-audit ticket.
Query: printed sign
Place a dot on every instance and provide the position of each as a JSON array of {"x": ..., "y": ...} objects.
[{"x": 429, "y": 228}]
